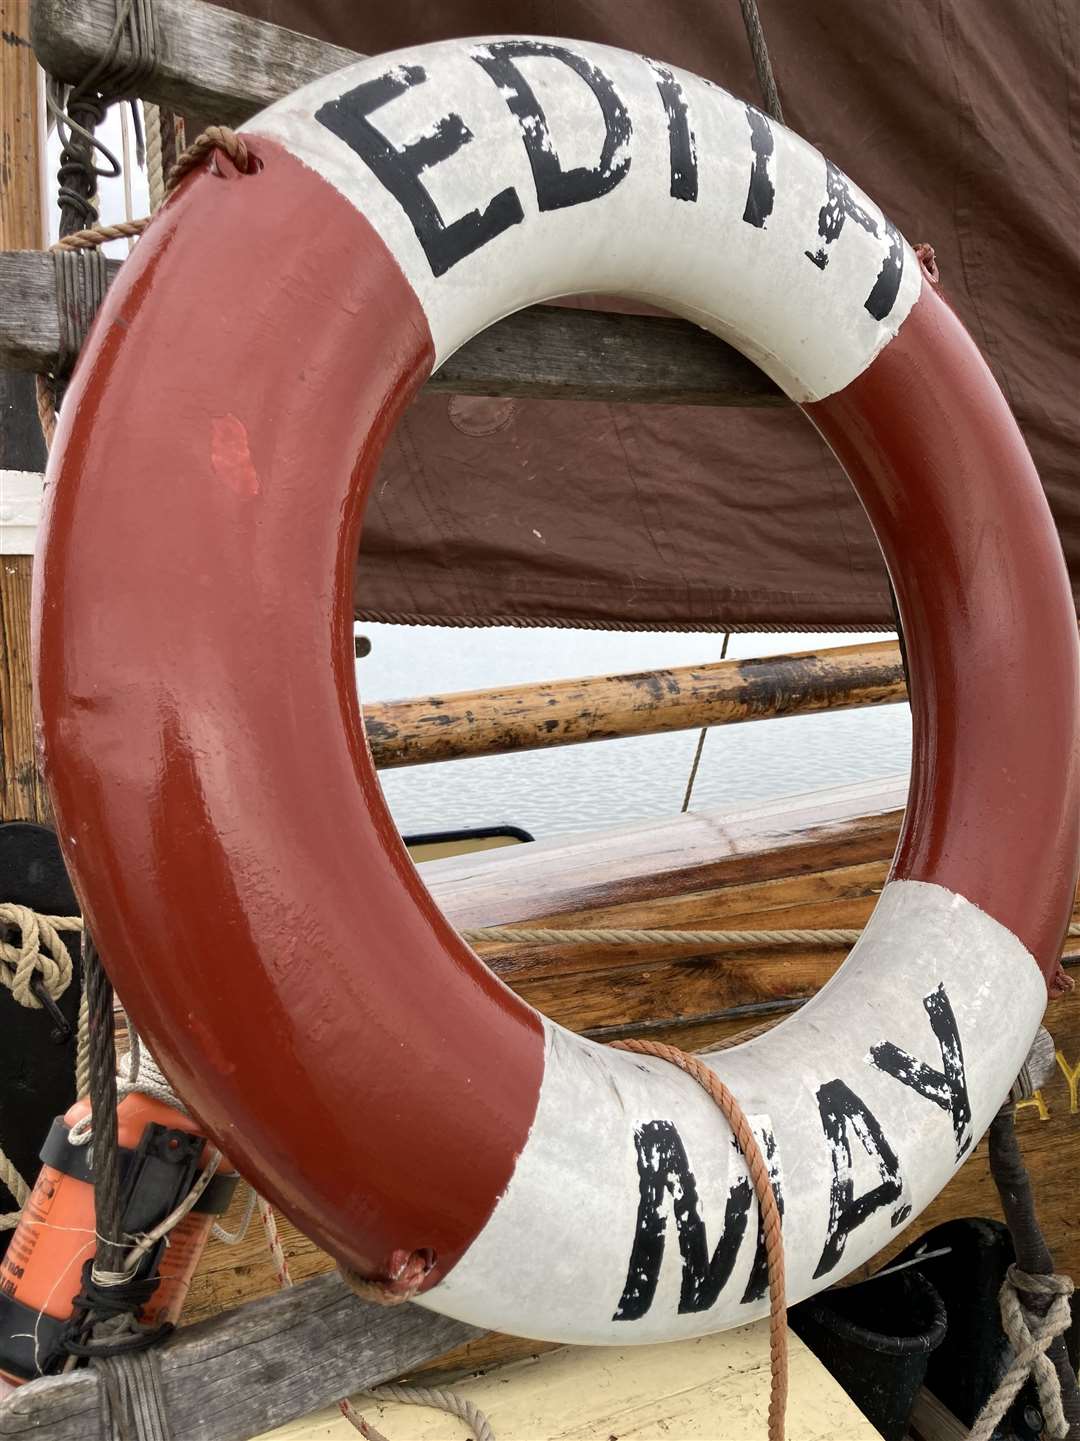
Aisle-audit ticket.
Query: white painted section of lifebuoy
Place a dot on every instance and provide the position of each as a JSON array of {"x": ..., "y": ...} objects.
[
  {"x": 732, "y": 249},
  {"x": 553, "y": 1260},
  {"x": 22, "y": 493}
]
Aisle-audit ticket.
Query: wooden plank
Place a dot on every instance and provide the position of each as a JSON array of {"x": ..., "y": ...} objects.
[
  {"x": 29, "y": 329},
  {"x": 234, "y": 1376},
  {"x": 569, "y": 712},
  {"x": 714, "y": 1389},
  {"x": 22, "y": 226},
  {"x": 550, "y": 352},
  {"x": 210, "y": 61}
]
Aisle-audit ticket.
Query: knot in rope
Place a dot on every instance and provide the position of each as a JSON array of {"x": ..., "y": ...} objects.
[
  {"x": 41, "y": 952},
  {"x": 407, "y": 1273},
  {"x": 1030, "y": 1336},
  {"x": 214, "y": 137}
]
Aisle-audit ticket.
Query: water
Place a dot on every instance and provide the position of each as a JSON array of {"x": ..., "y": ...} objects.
[{"x": 589, "y": 787}]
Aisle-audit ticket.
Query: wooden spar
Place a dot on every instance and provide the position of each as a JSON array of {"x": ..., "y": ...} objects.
[
  {"x": 548, "y": 353},
  {"x": 242, "y": 1373},
  {"x": 569, "y": 712},
  {"x": 217, "y": 64},
  {"x": 22, "y": 227}
]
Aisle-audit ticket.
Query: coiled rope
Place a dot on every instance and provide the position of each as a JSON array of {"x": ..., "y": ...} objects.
[{"x": 39, "y": 962}]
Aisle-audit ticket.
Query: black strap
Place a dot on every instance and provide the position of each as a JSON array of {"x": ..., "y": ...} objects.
[{"x": 74, "y": 1161}]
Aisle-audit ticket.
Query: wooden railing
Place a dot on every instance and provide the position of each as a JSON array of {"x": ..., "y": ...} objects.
[{"x": 569, "y": 712}]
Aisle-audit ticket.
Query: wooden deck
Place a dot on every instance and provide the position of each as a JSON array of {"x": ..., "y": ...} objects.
[{"x": 713, "y": 1389}]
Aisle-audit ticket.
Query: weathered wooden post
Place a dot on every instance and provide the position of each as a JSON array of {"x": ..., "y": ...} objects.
[{"x": 22, "y": 452}]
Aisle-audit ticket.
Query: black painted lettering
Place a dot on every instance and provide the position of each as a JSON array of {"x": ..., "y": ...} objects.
[
  {"x": 840, "y": 207},
  {"x": 946, "y": 1088},
  {"x": 758, "y": 1283},
  {"x": 663, "y": 1170},
  {"x": 400, "y": 168},
  {"x": 844, "y": 1114},
  {"x": 682, "y": 145},
  {"x": 761, "y": 194},
  {"x": 556, "y": 187},
  {"x": 887, "y": 286}
]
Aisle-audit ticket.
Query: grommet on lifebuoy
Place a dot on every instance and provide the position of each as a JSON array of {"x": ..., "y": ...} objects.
[{"x": 222, "y": 818}]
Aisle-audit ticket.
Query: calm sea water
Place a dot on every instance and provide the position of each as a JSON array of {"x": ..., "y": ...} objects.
[{"x": 580, "y": 788}]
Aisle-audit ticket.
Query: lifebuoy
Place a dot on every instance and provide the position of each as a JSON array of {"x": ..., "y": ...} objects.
[{"x": 202, "y": 740}]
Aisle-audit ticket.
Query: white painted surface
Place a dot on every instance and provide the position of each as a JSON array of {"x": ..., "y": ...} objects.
[
  {"x": 755, "y": 287},
  {"x": 21, "y": 493},
  {"x": 552, "y": 1261},
  {"x": 714, "y": 1389}
]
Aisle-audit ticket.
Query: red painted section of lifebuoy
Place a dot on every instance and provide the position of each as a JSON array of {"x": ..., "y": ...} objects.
[
  {"x": 940, "y": 465},
  {"x": 213, "y": 790}
]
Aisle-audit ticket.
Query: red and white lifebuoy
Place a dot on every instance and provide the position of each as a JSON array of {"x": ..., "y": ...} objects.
[{"x": 217, "y": 802}]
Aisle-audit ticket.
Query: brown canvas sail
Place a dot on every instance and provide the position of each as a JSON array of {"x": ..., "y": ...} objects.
[{"x": 961, "y": 120}]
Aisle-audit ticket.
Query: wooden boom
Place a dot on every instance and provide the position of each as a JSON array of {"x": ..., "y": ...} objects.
[
  {"x": 550, "y": 352},
  {"x": 569, "y": 712},
  {"x": 239, "y": 1374}
]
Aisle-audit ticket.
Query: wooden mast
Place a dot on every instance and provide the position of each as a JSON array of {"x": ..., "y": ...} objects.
[{"x": 22, "y": 227}]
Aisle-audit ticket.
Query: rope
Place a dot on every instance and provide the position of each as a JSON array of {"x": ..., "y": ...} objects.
[
  {"x": 603, "y": 936},
  {"x": 41, "y": 952},
  {"x": 81, "y": 280},
  {"x": 103, "y": 1101},
  {"x": 1033, "y": 1273},
  {"x": 749, "y": 940},
  {"x": 762, "y": 64},
  {"x": 766, "y": 1198},
  {"x": 216, "y": 137},
  {"x": 155, "y": 165},
  {"x": 114, "y": 76},
  {"x": 233, "y": 1238},
  {"x": 696, "y": 762},
  {"x": 794, "y": 626},
  {"x": 1030, "y": 1339},
  {"x": 440, "y": 1400},
  {"x": 40, "y": 959},
  {"x": 131, "y": 1398},
  {"x": 13, "y": 1180}
]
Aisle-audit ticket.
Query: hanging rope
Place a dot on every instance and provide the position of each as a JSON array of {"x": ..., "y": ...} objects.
[
  {"x": 103, "y": 1101},
  {"x": 1030, "y": 1339},
  {"x": 438, "y": 1399},
  {"x": 761, "y": 1181},
  {"x": 762, "y": 63},
  {"x": 216, "y": 137},
  {"x": 11, "y": 1178},
  {"x": 692, "y": 777},
  {"x": 1034, "y": 1299},
  {"x": 130, "y": 55},
  {"x": 38, "y": 969}
]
